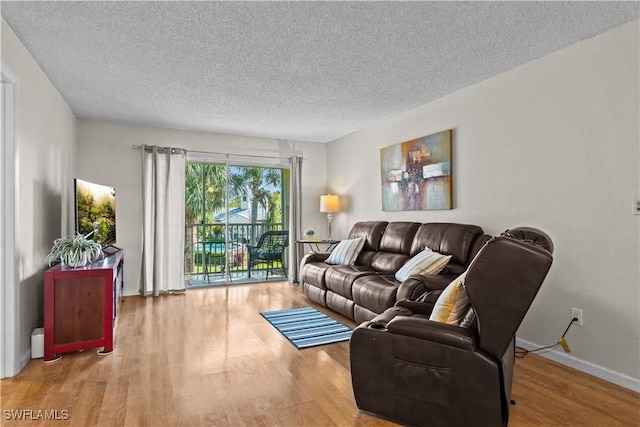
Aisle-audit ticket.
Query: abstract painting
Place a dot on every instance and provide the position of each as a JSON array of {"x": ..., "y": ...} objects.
[{"x": 416, "y": 174}]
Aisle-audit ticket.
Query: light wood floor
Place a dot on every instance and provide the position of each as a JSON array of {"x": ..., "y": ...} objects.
[{"x": 207, "y": 358}]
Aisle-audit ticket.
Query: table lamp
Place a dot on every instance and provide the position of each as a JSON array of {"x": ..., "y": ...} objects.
[{"x": 329, "y": 203}]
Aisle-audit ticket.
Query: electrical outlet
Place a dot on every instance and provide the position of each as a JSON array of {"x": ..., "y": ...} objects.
[
  {"x": 576, "y": 313},
  {"x": 636, "y": 206}
]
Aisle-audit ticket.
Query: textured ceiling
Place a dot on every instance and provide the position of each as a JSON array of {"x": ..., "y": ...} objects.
[{"x": 310, "y": 71}]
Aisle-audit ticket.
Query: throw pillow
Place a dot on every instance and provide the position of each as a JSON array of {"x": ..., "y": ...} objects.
[
  {"x": 452, "y": 304},
  {"x": 426, "y": 262},
  {"x": 346, "y": 252}
]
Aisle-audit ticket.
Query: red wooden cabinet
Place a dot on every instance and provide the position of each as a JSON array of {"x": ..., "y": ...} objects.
[{"x": 80, "y": 306}]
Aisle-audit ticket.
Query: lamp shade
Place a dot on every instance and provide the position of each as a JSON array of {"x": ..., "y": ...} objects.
[{"x": 329, "y": 203}]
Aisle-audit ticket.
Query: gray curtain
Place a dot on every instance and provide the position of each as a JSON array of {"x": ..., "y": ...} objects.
[
  {"x": 295, "y": 216},
  {"x": 163, "y": 192}
]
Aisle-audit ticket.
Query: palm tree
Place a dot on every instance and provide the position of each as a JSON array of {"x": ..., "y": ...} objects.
[
  {"x": 205, "y": 191},
  {"x": 274, "y": 209},
  {"x": 257, "y": 183},
  {"x": 194, "y": 199}
]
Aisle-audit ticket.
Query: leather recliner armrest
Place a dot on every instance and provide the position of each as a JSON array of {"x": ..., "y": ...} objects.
[
  {"x": 417, "y": 284},
  {"x": 423, "y": 305},
  {"x": 313, "y": 257},
  {"x": 386, "y": 316},
  {"x": 412, "y": 288},
  {"x": 441, "y": 333}
]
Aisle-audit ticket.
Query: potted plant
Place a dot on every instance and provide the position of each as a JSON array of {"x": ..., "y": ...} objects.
[
  {"x": 217, "y": 231},
  {"x": 75, "y": 251}
]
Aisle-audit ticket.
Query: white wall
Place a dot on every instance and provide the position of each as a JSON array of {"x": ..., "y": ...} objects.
[
  {"x": 46, "y": 141},
  {"x": 552, "y": 144},
  {"x": 105, "y": 156}
]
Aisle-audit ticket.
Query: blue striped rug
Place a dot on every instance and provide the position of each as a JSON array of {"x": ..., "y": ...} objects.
[{"x": 307, "y": 327}]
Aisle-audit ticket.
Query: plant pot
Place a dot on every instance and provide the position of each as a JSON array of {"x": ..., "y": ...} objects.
[{"x": 75, "y": 262}]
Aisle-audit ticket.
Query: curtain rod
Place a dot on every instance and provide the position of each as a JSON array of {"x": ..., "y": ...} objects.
[
  {"x": 149, "y": 148},
  {"x": 137, "y": 147}
]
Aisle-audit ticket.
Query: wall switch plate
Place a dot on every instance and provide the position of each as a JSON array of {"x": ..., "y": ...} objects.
[
  {"x": 576, "y": 313},
  {"x": 636, "y": 206}
]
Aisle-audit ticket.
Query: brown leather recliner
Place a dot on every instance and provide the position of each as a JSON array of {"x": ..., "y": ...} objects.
[{"x": 414, "y": 371}]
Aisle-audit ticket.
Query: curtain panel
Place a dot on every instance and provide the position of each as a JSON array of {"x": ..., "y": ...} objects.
[
  {"x": 163, "y": 194},
  {"x": 295, "y": 216}
]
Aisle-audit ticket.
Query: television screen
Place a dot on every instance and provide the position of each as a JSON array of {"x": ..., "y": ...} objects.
[{"x": 96, "y": 211}]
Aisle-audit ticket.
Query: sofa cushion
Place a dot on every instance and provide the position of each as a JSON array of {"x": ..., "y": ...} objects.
[
  {"x": 398, "y": 237},
  {"x": 361, "y": 314},
  {"x": 313, "y": 274},
  {"x": 375, "y": 292},
  {"x": 314, "y": 293},
  {"x": 340, "y": 278},
  {"x": 387, "y": 263},
  {"x": 447, "y": 238},
  {"x": 346, "y": 252},
  {"x": 340, "y": 304},
  {"x": 425, "y": 262},
  {"x": 371, "y": 231},
  {"x": 452, "y": 304},
  {"x": 395, "y": 246}
]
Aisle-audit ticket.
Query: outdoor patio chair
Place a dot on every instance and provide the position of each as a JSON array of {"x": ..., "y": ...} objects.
[{"x": 270, "y": 248}]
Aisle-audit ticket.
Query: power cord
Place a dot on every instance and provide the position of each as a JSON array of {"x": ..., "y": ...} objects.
[{"x": 522, "y": 352}]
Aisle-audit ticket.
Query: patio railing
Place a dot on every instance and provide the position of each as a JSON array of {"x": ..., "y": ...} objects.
[{"x": 218, "y": 238}]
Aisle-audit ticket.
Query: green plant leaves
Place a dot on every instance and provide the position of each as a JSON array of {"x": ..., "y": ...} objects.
[{"x": 75, "y": 251}]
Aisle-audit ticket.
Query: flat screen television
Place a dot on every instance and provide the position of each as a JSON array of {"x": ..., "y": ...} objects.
[{"x": 96, "y": 211}]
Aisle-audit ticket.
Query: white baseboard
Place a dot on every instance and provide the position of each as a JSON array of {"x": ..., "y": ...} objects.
[
  {"x": 583, "y": 366},
  {"x": 24, "y": 360}
]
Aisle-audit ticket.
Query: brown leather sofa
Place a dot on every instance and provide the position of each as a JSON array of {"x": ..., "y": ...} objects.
[
  {"x": 365, "y": 289},
  {"x": 415, "y": 371}
]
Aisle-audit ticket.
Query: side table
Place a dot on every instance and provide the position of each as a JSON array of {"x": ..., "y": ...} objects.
[{"x": 314, "y": 244}]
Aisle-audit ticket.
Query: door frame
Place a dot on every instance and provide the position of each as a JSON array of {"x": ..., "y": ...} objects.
[
  {"x": 9, "y": 291},
  {"x": 239, "y": 160}
]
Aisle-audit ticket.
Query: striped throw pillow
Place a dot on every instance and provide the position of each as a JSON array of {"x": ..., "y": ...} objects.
[
  {"x": 346, "y": 252},
  {"x": 452, "y": 304},
  {"x": 426, "y": 262}
]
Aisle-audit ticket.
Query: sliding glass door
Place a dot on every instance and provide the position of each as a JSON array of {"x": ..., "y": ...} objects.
[
  {"x": 205, "y": 195},
  {"x": 236, "y": 223}
]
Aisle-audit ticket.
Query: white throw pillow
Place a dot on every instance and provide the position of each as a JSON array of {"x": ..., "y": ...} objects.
[
  {"x": 346, "y": 252},
  {"x": 426, "y": 262}
]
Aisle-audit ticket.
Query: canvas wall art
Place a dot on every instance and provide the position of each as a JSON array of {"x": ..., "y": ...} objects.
[{"x": 416, "y": 174}]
